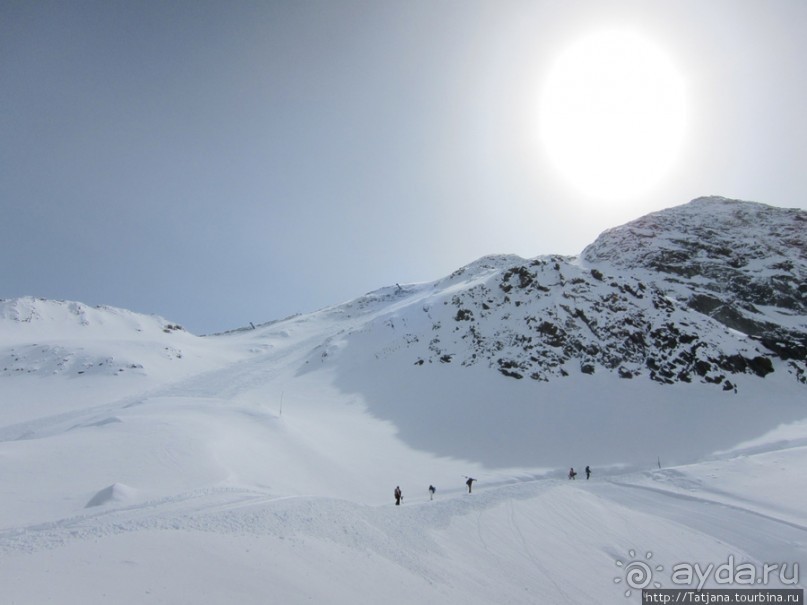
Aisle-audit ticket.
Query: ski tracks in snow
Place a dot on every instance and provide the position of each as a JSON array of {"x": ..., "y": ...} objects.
[{"x": 737, "y": 524}]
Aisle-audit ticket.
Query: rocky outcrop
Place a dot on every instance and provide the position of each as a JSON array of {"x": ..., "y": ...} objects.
[{"x": 702, "y": 292}]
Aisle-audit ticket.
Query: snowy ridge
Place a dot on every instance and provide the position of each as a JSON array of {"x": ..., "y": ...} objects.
[
  {"x": 706, "y": 233},
  {"x": 32, "y": 316}
]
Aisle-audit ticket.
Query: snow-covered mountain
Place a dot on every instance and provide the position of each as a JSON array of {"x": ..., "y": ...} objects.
[
  {"x": 741, "y": 263},
  {"x": 141, "y": 463},
  {"x": 700, "y": 292}
]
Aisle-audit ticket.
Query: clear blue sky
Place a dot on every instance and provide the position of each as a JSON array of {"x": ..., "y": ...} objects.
[{"x": 225, "y": 162}]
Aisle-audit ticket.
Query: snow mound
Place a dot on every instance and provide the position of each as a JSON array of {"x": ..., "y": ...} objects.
[{"x": 117, "y": 492}]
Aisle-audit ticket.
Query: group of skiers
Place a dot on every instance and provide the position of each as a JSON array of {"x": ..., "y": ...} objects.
[
  {"x": 470, "y": 482},
  {"x": 399, "y": 495},
  {"x": 573, "y": 473}
]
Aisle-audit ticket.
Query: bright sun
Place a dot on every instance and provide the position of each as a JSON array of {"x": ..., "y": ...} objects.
[{"x": 613, "y": 114}]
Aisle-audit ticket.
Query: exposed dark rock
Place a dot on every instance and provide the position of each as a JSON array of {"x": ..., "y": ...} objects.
[
  {"x": 673, "y": 296},
  {"x": 464, "y": 315},
  {"x": 761, "y": 366}
]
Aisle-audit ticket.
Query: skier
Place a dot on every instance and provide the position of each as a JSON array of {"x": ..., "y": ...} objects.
[
  {"x": 398, "y": 496},
  {"x": 588, "y": 472},
  {"x": 572, "y": 473},
  {"x": 432, "y": 489},
  {"x": 469, "y": 483}
]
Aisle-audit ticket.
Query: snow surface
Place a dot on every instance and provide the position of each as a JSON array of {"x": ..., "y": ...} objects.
[{"x": 142, "y": 464}]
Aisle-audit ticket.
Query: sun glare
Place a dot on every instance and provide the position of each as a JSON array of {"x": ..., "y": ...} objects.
[{"x": 613, "y": 114}]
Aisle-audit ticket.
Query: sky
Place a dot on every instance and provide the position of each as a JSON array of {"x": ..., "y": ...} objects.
[{"x": 221, "y": 163}]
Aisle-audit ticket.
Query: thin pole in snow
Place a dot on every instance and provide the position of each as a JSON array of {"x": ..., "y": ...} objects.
[{"x": 281, "y": 403}]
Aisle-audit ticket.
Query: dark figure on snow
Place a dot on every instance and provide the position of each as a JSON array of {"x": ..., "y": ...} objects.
[
  {"x": 398, "y": 496},
  {"x": 572, "y": 473},
  {"x": 432, "y": 489},
  {"x": 588, "y": 472},
  {"x": 469, "y": 483}
]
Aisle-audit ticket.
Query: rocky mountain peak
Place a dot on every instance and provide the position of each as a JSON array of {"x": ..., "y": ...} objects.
[{"x": 700, "y": 292}]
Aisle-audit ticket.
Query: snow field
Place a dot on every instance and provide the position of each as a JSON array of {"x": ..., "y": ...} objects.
[{"x": 255, "y": 469}]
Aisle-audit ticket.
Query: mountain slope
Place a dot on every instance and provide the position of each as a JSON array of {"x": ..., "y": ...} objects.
[{"x": 677, "y": 307}]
